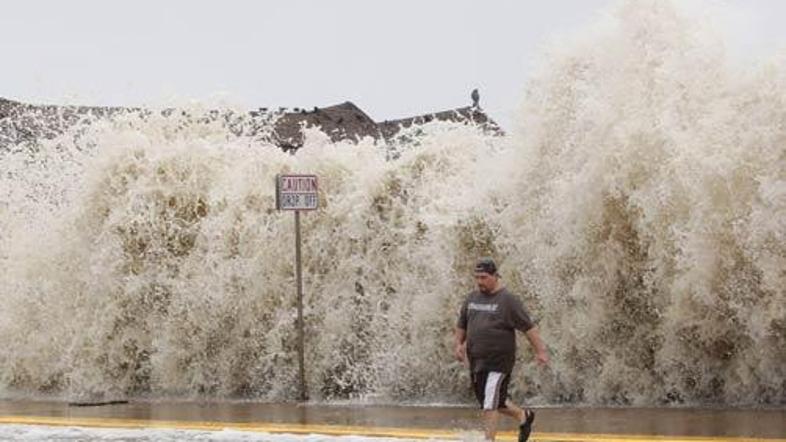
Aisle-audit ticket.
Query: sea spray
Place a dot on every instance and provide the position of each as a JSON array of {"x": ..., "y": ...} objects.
[{"x": 639, "y": 226}]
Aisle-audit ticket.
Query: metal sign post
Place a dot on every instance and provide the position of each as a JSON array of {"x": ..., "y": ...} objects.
[
  {"x": 298, "y": 192},
  {"x": 301, "y": 340}
]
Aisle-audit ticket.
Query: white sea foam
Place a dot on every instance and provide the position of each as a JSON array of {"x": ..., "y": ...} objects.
[{"x": 44, "y": 433}]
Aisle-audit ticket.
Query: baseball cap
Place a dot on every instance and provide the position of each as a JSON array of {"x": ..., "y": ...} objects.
[{"x": 486, "y": 265}]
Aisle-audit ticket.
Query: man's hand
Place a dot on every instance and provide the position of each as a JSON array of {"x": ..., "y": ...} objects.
[
  {"x": 460, "y": 349},
  {"x": 542, "y": 357},
  {"x": 461, "y": 352},
  {"x": 541, "y": 354}
]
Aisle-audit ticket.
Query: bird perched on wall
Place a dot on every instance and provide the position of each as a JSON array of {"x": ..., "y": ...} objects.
[{"x": 475, "y": 98}]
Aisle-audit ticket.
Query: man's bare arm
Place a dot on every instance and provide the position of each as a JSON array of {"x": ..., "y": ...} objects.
[{"x": 541, "y": 354}]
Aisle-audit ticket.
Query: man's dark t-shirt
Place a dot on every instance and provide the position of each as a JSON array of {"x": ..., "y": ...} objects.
[{"x": 491, "y": 322}]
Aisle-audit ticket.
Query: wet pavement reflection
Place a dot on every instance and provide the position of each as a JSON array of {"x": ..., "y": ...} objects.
[{"x": 643, "y": 421}]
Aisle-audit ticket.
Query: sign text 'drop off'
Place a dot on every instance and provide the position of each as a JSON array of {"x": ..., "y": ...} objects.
[{"x": 297, "y": 192}]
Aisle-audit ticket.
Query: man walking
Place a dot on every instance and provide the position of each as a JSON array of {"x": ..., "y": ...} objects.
[{"x": 486, "y": 335}]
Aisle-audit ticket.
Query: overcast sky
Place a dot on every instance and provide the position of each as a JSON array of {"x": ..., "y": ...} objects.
[{"x": 391, "y": 58}]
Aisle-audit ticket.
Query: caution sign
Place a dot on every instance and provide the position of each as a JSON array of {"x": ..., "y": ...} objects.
[{"x": 297, "y": 192}]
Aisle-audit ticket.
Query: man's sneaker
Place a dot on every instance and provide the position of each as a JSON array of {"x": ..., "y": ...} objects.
[{"x": 526, "y": 427}]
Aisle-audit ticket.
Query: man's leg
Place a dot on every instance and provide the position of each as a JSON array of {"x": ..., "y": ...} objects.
[
  {"x": 490, "y": 392},
  {"x": 513, "y": 410},
  {"x": 523, "y": 418},
  {"x": 490, "y": 417}
]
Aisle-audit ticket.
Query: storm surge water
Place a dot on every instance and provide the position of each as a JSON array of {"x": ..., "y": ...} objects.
[{"x": 638, "y": 207}]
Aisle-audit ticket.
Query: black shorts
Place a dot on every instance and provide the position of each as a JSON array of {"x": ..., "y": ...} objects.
[{"x": 491, "y": 389}]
